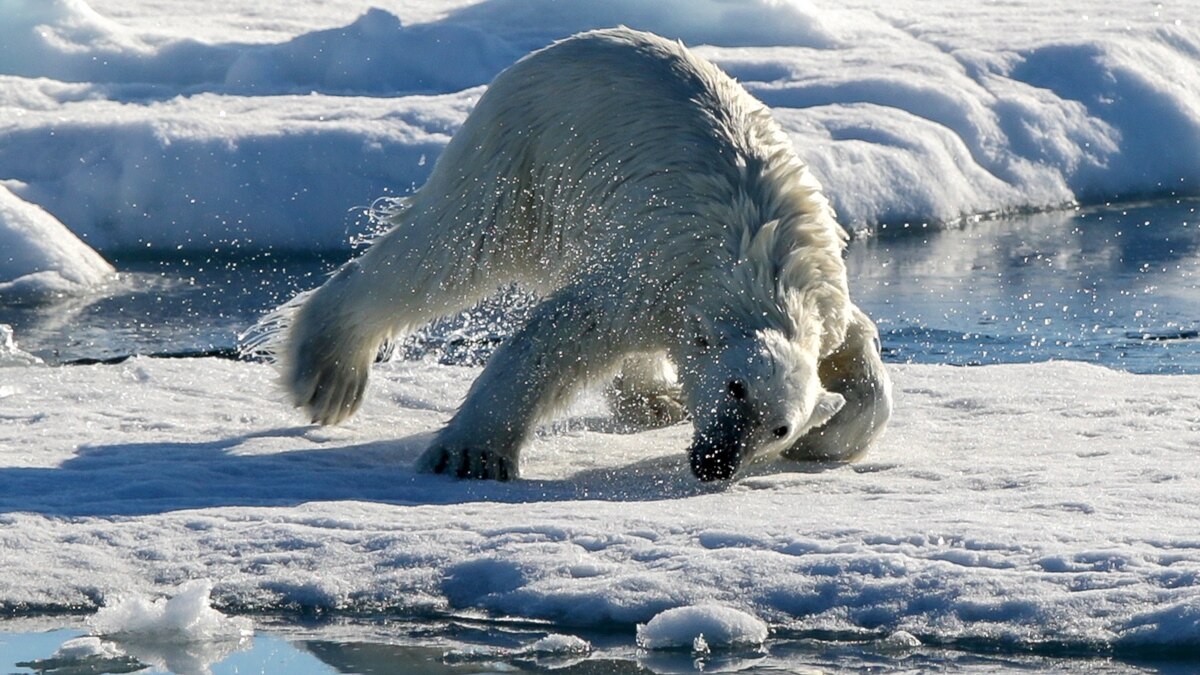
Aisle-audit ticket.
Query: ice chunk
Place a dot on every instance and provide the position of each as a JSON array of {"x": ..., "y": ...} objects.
[
  {"x": 713, "y": 626},
  {"x": 184, "y": 618},
  {"x": 89, "y": 647},
  {"x": 558, "y": 645}
]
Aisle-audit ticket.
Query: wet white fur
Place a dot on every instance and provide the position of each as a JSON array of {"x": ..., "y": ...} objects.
[{"x": 658, "y": 206}]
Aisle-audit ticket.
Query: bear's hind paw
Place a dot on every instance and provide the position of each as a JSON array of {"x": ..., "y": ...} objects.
[{"x": 468, "y": 463}]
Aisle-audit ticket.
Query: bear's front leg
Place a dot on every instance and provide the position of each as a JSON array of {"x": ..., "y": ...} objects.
[{"x": 566, "y": 343}]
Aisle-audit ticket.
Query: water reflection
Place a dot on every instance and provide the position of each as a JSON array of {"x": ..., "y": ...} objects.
[
  {"x": 165, "y": 306},
  {"x": 1119, "y": 287},
  {"x": 298, "y": 647}
]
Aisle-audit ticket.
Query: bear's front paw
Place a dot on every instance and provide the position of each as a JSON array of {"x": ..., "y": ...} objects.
[{"x": 468, "y": 463}]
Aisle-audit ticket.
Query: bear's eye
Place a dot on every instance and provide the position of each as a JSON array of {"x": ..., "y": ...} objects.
[
  {"x": 737, "y": 389},
  {"x": 701, "y": 342},
  {"x": 781, "y": 432}
]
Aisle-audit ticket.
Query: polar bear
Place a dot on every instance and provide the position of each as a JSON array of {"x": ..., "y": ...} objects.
[{"x": 675, "y": 236}]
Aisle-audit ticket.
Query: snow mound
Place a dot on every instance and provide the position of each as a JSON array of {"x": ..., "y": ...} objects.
[
  {"x": 374, "y": 54},
  {"x": 186, "y": 617},
  {"x": 12, "y": 355},
  {"x": 40, "y": 257},
  {"x": 700, "y": 628},
  {"x": 753, "y": 23}
]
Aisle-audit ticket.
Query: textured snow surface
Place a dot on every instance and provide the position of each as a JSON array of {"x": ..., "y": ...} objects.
[
  {"x": 1021, "y": 506},
  {"x": 200, "y": 126}
]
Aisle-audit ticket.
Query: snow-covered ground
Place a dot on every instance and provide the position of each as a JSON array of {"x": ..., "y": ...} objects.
[
  {"x": 1011, "y": 506},
  {"x": 170, "y": 125},
  {"x": 1041, "y": 506}
]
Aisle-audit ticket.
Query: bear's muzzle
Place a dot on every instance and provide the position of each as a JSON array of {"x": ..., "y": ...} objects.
[{"x": 719, "y": 448}]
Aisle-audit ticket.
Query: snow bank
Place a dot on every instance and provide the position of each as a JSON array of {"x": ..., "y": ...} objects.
[
  {"x": 1013, "y": 507},
  {"x": 40, "y": 257},
  {"x": 700, "y": 627},
  {"x": 211, "y": 172},
  {"x": 908, "y": 114}
]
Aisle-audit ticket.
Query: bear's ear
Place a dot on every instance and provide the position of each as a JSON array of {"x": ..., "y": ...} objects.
[{"x": 828, "y": 405}]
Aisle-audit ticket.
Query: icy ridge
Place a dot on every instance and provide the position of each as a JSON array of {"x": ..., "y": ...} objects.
[{"x": 282, "y": 145}]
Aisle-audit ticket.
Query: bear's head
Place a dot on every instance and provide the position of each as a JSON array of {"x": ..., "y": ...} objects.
[{"x": 751, "y": 394}]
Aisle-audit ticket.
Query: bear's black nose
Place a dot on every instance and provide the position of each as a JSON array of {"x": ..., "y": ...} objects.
[
  {"x": 709, "y": 464},
  {"x": 720, "y": 445}
]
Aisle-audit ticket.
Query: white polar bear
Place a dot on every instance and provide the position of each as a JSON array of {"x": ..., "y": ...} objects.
[{"x": 664, "y": 215}]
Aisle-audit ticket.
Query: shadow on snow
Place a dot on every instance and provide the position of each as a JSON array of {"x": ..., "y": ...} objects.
[{"x": 129, "y": 479}]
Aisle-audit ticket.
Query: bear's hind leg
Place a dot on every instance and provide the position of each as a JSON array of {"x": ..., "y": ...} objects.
[
  {"x": 531, "y": 376},
  {"x": 646, "y": 393}
]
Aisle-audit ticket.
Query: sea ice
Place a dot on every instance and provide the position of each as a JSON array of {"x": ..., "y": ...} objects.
[{"x": 134, "y": 133}]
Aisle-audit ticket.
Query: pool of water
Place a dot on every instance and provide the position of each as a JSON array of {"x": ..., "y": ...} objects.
[
  {"x": 1115, "y": 286},
  {"x": 299, "y": 647}
]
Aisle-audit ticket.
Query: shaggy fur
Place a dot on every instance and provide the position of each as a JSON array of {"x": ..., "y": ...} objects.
[{"x": 662, "y": 211}]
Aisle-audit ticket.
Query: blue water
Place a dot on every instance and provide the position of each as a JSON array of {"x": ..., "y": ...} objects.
[
  {"x": 1118, "y": 286},
  {"x": 1115, "y": 286},
  {"x": 388, "y": 646}
]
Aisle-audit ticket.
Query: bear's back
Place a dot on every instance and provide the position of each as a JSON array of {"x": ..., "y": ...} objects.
[
  {"x": 609, "y": 128},
  {"x": 617, "y": 87}
]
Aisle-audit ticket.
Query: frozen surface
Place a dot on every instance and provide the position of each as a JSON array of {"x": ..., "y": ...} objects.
[
  {"x": 1048, "y": 506},
  {"x": 182, "y": 126}
]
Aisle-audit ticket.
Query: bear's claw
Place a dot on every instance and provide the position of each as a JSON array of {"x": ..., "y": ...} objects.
[{"x": 468, "y": 463}]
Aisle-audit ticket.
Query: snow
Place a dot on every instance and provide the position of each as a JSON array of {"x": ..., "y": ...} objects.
[
  {"x": 1048, "y": 506},
  {"x": 1011, "y": 506},
  {"x": 40, "y": 257},
  {"x": 163, "y": 124},
  {"x": 183, "y": 617},
  {"x": 701, "y": 627},
  {"x": 12, "y": 355}
]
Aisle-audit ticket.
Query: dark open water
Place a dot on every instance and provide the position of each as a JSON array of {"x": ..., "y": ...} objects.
[{"x": 1115, "y": 286}]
